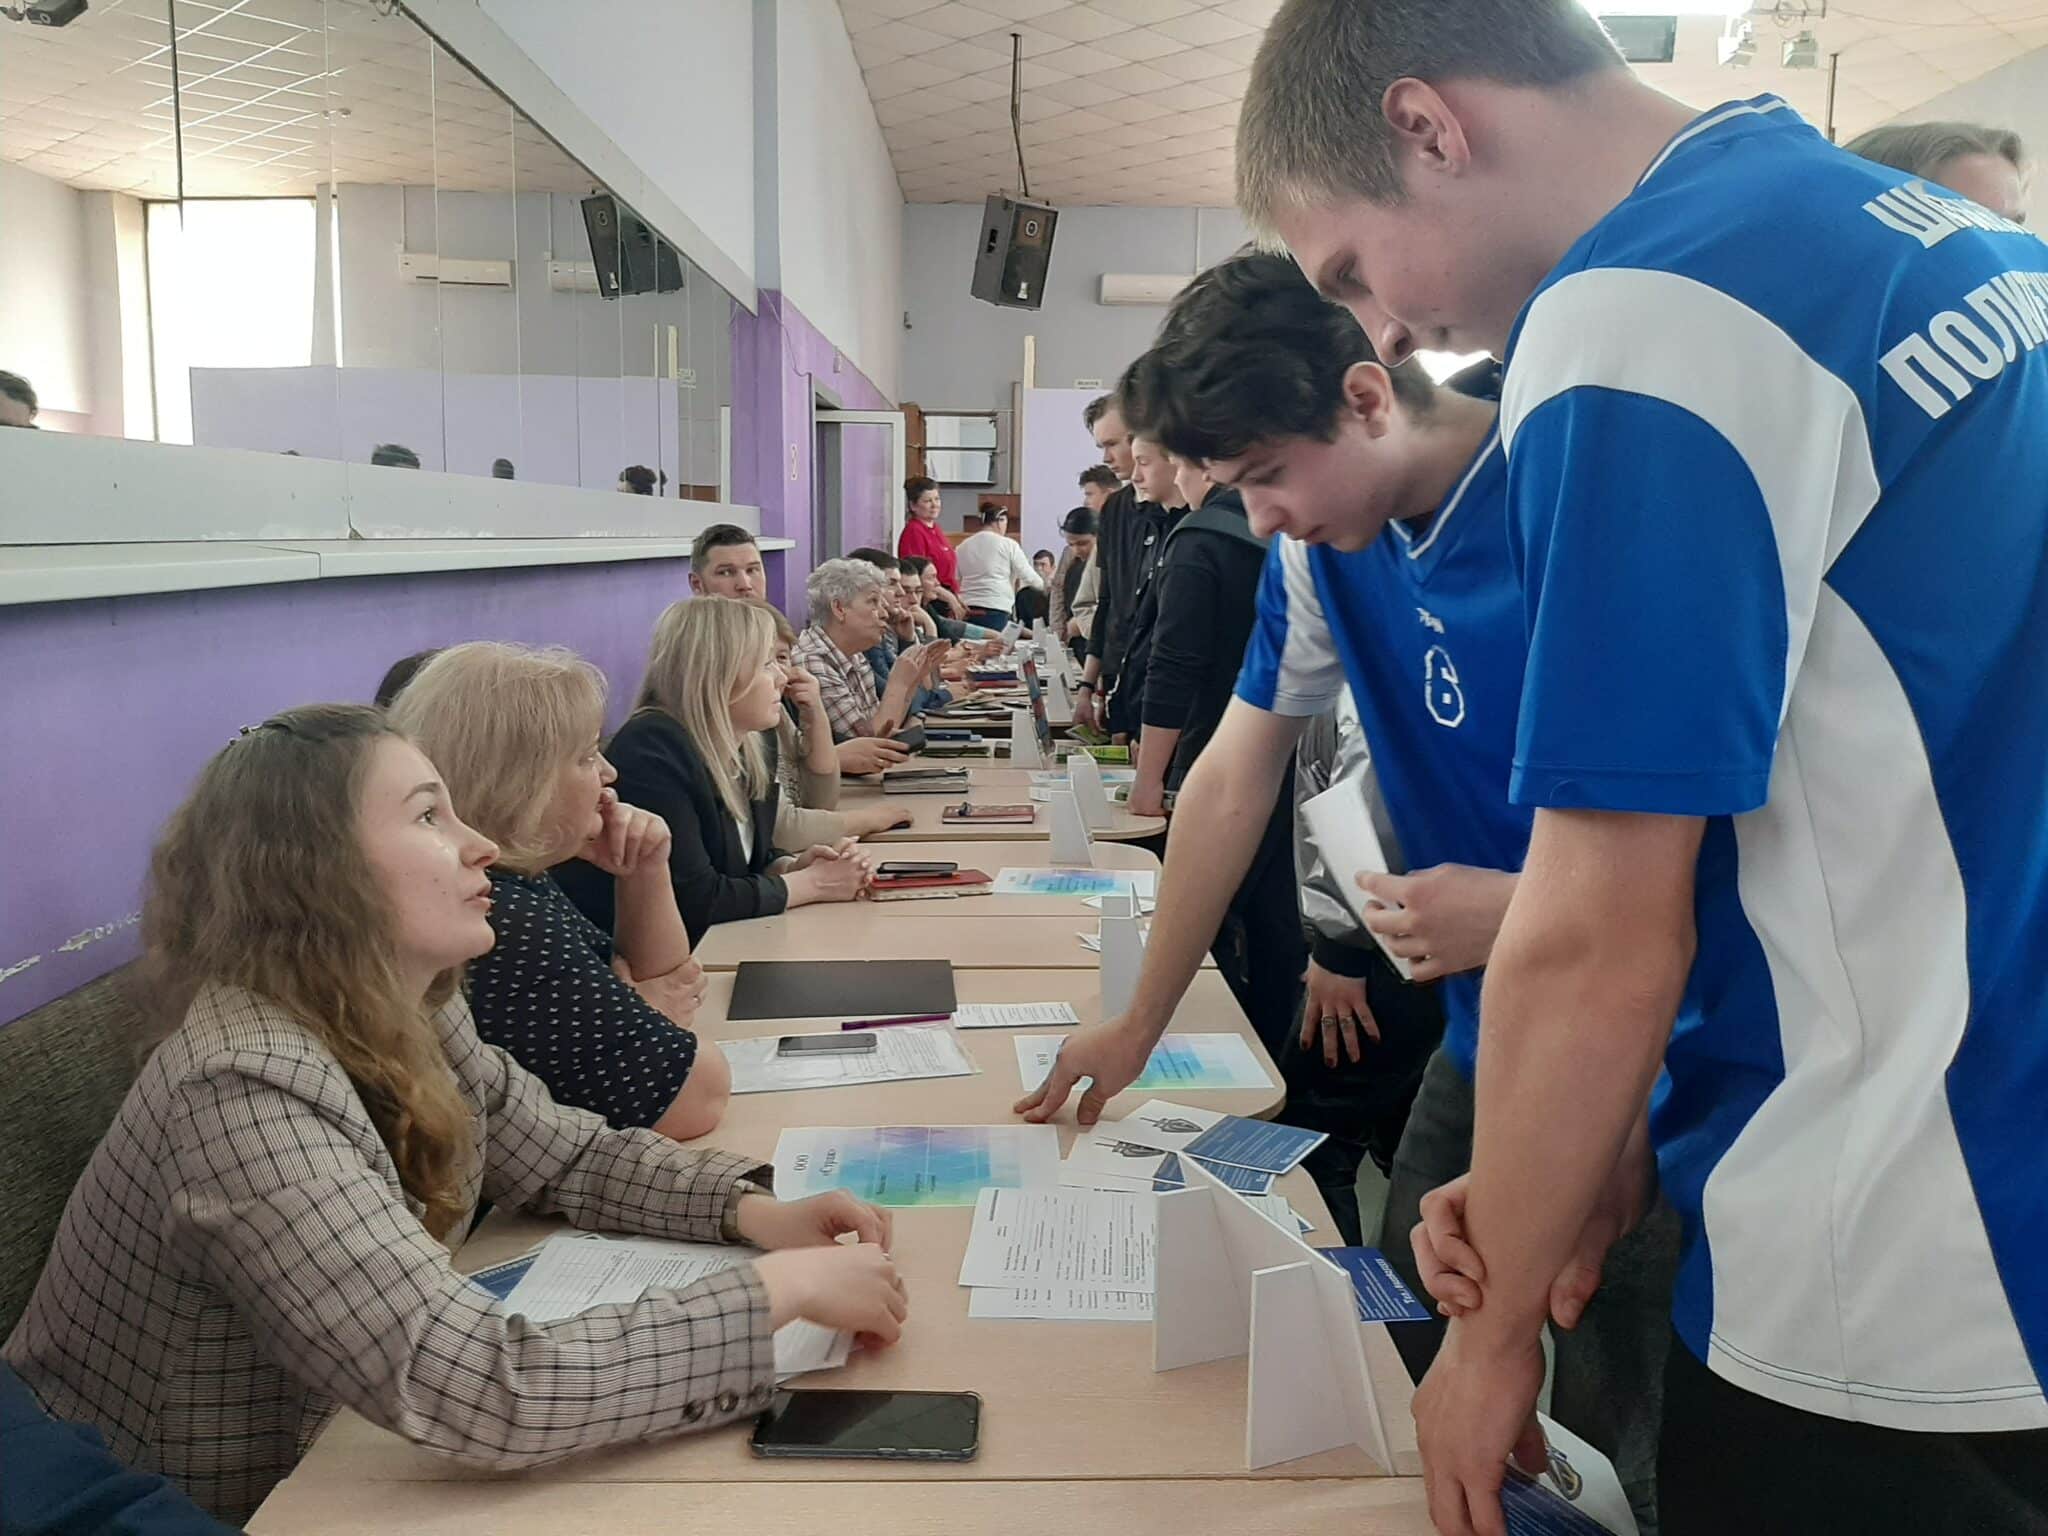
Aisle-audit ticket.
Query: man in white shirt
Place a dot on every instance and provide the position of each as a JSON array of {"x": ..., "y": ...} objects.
[{"x": 992, "y": 568}]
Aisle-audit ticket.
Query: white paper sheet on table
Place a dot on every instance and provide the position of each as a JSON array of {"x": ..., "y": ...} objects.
[
  {"x": 909, "y": 1165},
  {"x": 1180, "y": 1063},
  {"x": 1060, "y": 1303},
  {"x": 574, "y": 1271},
  {"x": 901, "y": 1054},
  {"x": 1087, "y": 1237},
  {"x": 1146, "y": 905},
  {"x": 1076, "y": 882},
  {"x": 1012, "y": 1015}
]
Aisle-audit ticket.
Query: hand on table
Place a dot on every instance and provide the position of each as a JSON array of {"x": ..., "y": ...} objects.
[
  {"x": 767, "y": 1222},
  {"x": 1441, "y": 920},
  {"x": 1147, "y": 797},
  {"x": 1109, "y": 1053},
  {"x": 1336, "y": 1005},
  {"x": 867, "y": 820},
  {"x": 870, "y": 754}
]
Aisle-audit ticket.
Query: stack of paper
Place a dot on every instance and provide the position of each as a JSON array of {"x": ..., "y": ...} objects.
[
  {"x": 900, "y": 1054},
  {"x": 1214, "y": 1137},
  {"x": 1012, "y": 1015},
  {"x": 1183, "y": 1062},
  {"x": 1073, "y": 1254},
  {"x": 574, "y": 1271},
  {"x": 1106, "y": 1159},
  {"x": 905, "y": 1165}
]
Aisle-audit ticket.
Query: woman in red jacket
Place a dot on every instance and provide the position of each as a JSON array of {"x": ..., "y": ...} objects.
[{"x": 921, "y": 536}]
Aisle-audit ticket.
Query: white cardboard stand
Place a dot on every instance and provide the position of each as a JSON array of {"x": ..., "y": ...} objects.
[
  {"x": 1071, "y": 844},
  {"x": 1024, "y": 751},
  {"x": 1061, "y": 692},
  {"x": 1123, "y": 953},
  {"x": 1084, "y": 777},
  {"x": 1232, "y": 1283},
  {"x": 1011, "y": 631}
]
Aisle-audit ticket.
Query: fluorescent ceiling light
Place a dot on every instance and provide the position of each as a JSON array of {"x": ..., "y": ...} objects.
[{"x": 1668, "y": 7}]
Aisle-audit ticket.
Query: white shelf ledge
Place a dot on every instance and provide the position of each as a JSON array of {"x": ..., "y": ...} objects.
[{"x": 57, "y": 573}]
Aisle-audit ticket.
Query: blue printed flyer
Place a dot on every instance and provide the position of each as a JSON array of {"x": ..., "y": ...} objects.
[
  {"x": 1382, "y": 1297},
  {"x": 1214, "y": 1137}
]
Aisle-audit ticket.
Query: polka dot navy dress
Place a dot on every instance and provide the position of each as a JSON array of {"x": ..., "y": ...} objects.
[{"x": 547, "y": 993}]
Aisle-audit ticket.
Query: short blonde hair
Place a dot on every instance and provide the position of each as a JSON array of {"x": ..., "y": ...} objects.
[
  {"x": 703, "y": 649},
  {"x": 499, "y": 722}
]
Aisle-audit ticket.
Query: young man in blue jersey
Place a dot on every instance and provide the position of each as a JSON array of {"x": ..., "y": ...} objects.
[
  {"x": 1778, "y": 495},
  {"x": 1389, "y": 569}
]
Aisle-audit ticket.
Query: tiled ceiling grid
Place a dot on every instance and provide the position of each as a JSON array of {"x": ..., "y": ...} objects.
[
  {"x": 278, "y": 97},
  {"x": 1136, "y": 101}
]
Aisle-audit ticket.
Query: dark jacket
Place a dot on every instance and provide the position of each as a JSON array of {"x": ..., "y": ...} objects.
[
  {"x": 660, "y": 770},
  {"x": 1120, "y": 532},
  {"x": 1155, "y": 524},
  {"x": 61, "y": 1480},
  {"x": 1202, "y": 602}
]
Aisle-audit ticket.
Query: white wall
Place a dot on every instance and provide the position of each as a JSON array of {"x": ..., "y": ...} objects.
[
  {"x": 669, "y": 82},
  {"x": 2012, "y": 96},
  {"x": 46, "y": 297},
  {"x": 840, "y": 209}
]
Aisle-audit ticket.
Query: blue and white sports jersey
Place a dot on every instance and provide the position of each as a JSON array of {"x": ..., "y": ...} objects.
[
  {"x": 1777, "y": 437},
  {"x": 1427, "y": 630}
]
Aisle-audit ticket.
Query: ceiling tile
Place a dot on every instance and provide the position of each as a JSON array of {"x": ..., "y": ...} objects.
[
  {"x": 1083, "y": 23},
  {"x": 1195, "y": 64},
  {"x": 895, "y": 79},
  {"x": 965, "y": 59},
  {"x": 1205, "y": 27},
  {"x": 957, "y": 20},
  {"x": 1142, "y": 43},
  {"x": 1147, "y": 12}
]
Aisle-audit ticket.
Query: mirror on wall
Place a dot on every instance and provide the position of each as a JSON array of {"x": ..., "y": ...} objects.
[
  {"x": 304, "y": 227},
  {"x": 960, "y": 447}
]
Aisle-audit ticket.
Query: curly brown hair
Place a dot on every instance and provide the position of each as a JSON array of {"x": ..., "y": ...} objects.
[{"x": 260, "y": 881}]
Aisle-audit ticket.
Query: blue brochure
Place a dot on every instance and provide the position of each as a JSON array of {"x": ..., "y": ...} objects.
[{"x": 1382, "y": 1297}]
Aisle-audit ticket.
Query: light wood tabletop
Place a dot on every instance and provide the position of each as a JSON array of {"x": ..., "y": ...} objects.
[
  {"x": 928, "y": 824},
  {"x": 909, "y": 930},
  {"x": 753, "y": 1120},
  {"x": 516, "y": 1506}
]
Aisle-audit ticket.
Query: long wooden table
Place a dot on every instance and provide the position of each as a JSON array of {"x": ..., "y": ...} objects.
[
  {"x": 928, "y": 825},
  {"x": 1063, "y": 1401},
  {"x": 1078, "y": 1429}
]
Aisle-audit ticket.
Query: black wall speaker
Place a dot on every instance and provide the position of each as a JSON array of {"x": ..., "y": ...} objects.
[
  {"x": 630, "y": 257},
  {"x": 1015, "y": 249}
]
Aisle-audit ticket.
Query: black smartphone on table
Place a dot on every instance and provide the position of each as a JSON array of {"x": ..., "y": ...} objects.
[
  {"x": 902, "y": 868},
  {"x": 870, "y": 1426},
  {"x": 850, "y": 1043}
]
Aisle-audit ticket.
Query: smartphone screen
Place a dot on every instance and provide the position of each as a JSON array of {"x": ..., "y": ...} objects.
[
  {"x": 919, "y": 1426},
  {"x": 914, "y": 867},
  {"x": 826, "y": 1045}
]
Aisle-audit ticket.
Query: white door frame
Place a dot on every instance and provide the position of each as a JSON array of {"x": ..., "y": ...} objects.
[{"x": 899, "y": 453}]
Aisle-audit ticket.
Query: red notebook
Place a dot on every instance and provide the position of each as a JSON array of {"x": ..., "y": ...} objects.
[
  {"x": 969, "y": 814},
  {"x": 962, "y": 882}
]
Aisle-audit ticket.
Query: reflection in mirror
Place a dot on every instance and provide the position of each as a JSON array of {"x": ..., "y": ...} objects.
[
  {"x": 960, "y": 447},
  {"x": 363, "y": 252},
  {"x": 87, "y": 139}
]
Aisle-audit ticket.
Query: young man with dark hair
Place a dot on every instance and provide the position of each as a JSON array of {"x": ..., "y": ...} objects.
[
  {"x": 922, "y": 536},
  {"x": 1160, "y": 509},
  {"x": 17, "y": 401},
  {"x": 725, "y": 561},
  {"x": 394, "y": 456},
  {"x": 1986, "y": 165},
  {"x": 1119, "y": 539},
  {"x": 1386, "y": 500},
  {"x": 1068, "y": 617},
  {"x": 638, "y": 480},
  {"x": 1098, "y": 483},
  {"x": 1778, "y": 526}
]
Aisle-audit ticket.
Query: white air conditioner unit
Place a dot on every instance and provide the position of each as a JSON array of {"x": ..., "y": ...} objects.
[
  {"x": 573, "y": 277},
  {"x": 1143, "y": 287},
  {"x": 426, "y": 267}
]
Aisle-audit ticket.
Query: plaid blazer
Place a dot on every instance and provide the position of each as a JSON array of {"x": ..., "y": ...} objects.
[{"x": 239, "y": 1259}]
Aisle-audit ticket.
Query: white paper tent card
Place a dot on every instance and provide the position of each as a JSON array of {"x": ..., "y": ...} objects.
[{"x": 1230, "y": 1282}]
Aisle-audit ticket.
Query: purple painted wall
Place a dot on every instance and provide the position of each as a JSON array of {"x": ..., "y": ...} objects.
[
  {"x": 112, "y": 706},
  {"x": 780, "y": 362}
]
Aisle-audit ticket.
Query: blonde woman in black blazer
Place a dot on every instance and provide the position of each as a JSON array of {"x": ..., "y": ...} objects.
[{"x": 699, "y": 752}]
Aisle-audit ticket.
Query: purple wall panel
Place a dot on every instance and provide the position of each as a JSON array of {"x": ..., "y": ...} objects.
[
  {"x": 780, "y": 362},
  {"x": 112, "y": 706}
]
